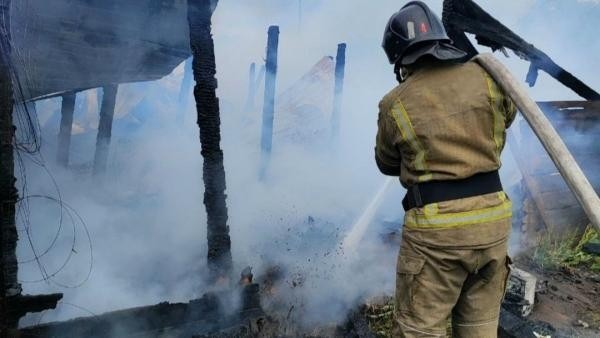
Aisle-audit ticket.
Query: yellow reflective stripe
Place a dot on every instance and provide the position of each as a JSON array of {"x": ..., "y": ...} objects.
[
  {"x": 425, "y": 178},
  {"x": 400, "y": 115},
  {"x": 497, "y": 108},
  {"x": 426, "y": 220},
  {"x": 431, "y": 209}
]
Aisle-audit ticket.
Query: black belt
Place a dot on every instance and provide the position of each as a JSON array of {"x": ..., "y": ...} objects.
[{"x": 425, "y": 193}]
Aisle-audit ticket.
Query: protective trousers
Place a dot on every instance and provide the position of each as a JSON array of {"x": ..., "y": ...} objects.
[{"x": 465, "y": 284}]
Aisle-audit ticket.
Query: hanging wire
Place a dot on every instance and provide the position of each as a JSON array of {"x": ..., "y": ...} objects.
[
  {"x": 24, "y": 213},
  {"x": 72, "y": 214},
  {"x": 28, "y": 135},
  {"x": 27, "y": 143}
]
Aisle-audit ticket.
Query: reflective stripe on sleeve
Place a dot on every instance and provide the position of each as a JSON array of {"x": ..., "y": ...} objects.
[
  {"x": 497, "y": 108},
  {"x": 400, "y": 115}
]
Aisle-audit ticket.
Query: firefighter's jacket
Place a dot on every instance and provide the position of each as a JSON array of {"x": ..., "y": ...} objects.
[{"x": 447, "y": 122}]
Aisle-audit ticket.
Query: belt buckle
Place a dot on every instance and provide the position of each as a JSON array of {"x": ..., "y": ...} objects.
[{"x": 417, "y": 196}]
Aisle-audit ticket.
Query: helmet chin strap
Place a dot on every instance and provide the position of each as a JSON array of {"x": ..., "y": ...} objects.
[{"x": 401, "y": 72}]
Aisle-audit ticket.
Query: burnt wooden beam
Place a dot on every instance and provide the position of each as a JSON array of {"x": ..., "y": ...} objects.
[
  {"x": 9, "y": 286},
  {"x": 20, "y": 305},
  {"x": 465, "y": 16},
  {"x": 66, "y": 127},
  {"x": 266, "y": 140},
  {"x": 205, "y": 313},
  {"x": 340, "y": 66},
  {"x": 13, "y": 305},
  {"x": 107, "y": 112},
  {"x": 209, "y": 122}
]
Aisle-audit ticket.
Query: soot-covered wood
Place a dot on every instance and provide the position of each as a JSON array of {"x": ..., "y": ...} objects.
[{"x": 209, "y": 121}]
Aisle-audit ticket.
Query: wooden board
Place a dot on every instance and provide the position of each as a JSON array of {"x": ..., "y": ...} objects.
[{"x": 578, "y": 123}]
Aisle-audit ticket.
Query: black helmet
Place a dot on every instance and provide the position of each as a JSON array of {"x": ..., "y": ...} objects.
[{"x": 416, "y": 28}]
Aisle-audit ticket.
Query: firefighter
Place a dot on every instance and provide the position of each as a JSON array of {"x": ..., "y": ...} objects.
[{"x": 441, "y": 131}]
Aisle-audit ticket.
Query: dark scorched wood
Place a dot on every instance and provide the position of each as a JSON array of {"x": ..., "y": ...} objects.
[
  {"x": 340, "y": 66},
  {"x": 66, "y": 126},
  {"x": 465, "y": 16},
  {"x": 9, "y": 287},
  {"x": 107, "y": 111},
  {"x": 13, "y": 305},
  {"x": 207, "y": 105},
  {"x": 266, "y": 140},
  {"x": 560, "y": 213}
]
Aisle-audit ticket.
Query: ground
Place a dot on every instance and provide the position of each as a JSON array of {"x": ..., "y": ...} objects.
[{"x": 567, "y": 298}]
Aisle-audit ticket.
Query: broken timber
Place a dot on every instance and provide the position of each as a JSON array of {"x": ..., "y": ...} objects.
[
  {"x": 465, "y": 16},
  {"x": 555, "y": 147},
  {"x": 161, "y": 320},
  {"x": 13, "y": 305},
  {"x": 340, "y": 66},
  {"x": 66, "y": 126},
  {"x": 266, "y": 140},
  {"x": 107, "y": 112},
  {"x": 553, "y": 206},
  {"x": 209, "y": 122}
]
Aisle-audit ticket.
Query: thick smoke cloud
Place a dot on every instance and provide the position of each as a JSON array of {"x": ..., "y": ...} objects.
[{"x": 147, "y": 220}]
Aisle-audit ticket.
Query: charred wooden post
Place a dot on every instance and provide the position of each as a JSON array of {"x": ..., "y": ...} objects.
[
  {"x": 107, "y": 112},
  {"x": 340, "y": 66},
  {"x": 209, "y": 121},
  {"x": 266, "y": 141},
  {"x": 9, "y": 287},
  {"x": 250, "y": 294},
  {"x": 249, "y": 106},
  {"x": 13, "y": 305},
  {"x": 66, "y": 126}
]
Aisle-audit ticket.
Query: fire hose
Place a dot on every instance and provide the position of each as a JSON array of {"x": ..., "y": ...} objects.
[{"x": 560, "y": 155}]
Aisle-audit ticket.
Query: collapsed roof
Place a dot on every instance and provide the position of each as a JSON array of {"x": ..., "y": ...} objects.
[{"x": 64, "y": 45}]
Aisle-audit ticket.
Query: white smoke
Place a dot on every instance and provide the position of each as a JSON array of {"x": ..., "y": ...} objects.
[{"x": 147, "y": 221}]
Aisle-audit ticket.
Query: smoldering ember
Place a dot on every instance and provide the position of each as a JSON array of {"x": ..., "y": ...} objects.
[{"x": 206, "y": 168}]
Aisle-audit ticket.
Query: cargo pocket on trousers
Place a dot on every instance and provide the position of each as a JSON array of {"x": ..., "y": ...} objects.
[{"x": 407, "y": 269}]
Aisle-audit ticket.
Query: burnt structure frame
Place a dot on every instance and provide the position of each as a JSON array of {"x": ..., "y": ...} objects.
[{"x": 465, "y": 16}]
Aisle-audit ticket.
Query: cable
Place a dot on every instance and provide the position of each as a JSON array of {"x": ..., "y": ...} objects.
[{"x": 49, "y": 277}]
